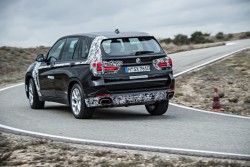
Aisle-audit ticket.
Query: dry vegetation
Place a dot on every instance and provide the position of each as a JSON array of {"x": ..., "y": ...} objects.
[
  {"x": 231, "y": 75},
  {"x": 229, "y": 37},
  {"x": 172, "y": 48},
  {"x": 199, "y": 40},
  {"x": 18, "y": 150},
  {"x": 15, "y": 61}
]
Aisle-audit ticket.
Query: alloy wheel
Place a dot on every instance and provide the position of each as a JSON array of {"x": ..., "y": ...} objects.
[
  {"x": 76, "y": 101},
  {"x": 31, "y": 93}
]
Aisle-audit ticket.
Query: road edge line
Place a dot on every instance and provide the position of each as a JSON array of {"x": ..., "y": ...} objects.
[
  {"x": 170, "y": 150},
  {"x": 12, "y": 86}
]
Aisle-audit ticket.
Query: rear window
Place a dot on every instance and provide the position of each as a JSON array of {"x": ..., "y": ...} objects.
[{"x": 131, "y": 46}]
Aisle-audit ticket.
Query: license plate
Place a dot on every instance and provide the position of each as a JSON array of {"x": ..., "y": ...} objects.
[{"x": 137, "y": 69}]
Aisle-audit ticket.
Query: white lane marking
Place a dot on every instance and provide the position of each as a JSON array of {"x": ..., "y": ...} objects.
[
  {"x": 12, "y": 86},
  {"x": 209, "y": 112},
  {"x": 209, "y": 62},
  {"x": 124, "y": 144},
  {"x": 230, "y": 43}
]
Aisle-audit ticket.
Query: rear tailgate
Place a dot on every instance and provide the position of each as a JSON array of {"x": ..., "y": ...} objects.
[{"x": 136, "y": 73}]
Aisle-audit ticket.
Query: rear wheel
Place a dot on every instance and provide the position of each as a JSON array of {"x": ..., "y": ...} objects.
[
  {"x": 158, "y": 108},
  {"x": 77, "y": 103},
  {"x": 34, "y": 101}
]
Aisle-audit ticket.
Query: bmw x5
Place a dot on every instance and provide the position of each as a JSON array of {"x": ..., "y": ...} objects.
[{"x": 104, "y": 69}]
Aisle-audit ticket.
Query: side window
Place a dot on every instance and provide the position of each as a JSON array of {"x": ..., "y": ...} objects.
[
  {"x": 56, "y": 49},
  {"x": 84, "y": 49},
  {"x": 69, "y": 49}
]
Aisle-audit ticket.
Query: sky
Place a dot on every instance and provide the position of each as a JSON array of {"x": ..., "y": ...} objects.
[{"x": 31, "y": 23}]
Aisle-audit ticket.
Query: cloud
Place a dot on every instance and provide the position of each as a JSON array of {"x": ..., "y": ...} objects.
[{"x": 32, "y": 23}]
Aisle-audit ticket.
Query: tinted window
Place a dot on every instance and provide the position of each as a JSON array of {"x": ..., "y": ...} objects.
[
  {"x": 56, "y": 49},
  {"x": 131, "y": 46},
  {"x": 69, "y": 49},
  {"x": 84, "y": 49}
]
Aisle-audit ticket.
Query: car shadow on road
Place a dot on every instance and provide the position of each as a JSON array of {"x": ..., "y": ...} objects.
[
  {"x": 119, "y": 113},
  {"x": 124, "y": 114},
  {"x": 57, "y": 107}
]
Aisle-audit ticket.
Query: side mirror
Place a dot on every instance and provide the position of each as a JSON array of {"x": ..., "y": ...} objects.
[{"x": 40, "y": 58}]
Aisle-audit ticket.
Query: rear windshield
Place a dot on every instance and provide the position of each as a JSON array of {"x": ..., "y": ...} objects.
[{"x": 131, "y": 46}]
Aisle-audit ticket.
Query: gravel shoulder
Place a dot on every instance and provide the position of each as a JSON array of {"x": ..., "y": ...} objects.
[
  {"x": 231, "y": 75},
  {"x": 17, "y": 150}
]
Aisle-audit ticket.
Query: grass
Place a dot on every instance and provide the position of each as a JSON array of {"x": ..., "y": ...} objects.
[{"x": 231, "y": 76}]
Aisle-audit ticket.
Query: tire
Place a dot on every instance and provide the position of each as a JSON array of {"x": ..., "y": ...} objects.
[
  {"x": 34, "y": 101},
  {"x": 158, "y": 108},
  {"x": 77, "y": 103}
]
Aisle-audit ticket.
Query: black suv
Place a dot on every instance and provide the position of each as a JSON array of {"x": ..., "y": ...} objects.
[{"x": 105, "y": 69}]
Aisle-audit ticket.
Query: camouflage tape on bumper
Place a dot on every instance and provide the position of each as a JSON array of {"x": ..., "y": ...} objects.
[{"x": 128, "y": 98}]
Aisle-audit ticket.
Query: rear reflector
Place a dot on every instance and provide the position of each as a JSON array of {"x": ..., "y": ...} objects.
[
  {"x": 170, "y": 89},
  {"x": 103, "y": 95}
]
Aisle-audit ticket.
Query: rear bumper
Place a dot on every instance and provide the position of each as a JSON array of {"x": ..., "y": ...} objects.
[{"x": 126, "y": 99}]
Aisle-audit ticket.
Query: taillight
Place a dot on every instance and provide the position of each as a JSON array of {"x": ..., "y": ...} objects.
[
  {"x": 170, "y": 61},
  {"x": 110, "y": 68},
  {"x": 97, "y": 66},
  {"x": 163, "y": 63},
  {"x": 106, "y": 67}
]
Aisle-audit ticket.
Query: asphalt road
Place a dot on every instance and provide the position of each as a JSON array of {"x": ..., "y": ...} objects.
[{"x": 179, "y": 129}]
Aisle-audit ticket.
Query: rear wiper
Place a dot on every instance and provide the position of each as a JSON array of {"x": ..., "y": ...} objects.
[{"x": 143, "y": 52}]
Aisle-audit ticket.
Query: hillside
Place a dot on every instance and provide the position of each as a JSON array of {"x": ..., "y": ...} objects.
[{"x": 15, "y": 61}]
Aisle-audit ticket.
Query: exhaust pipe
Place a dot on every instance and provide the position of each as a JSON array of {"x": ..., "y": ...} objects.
[
  {"x": 170, "y": 95},
  {"x": 105, "y": 101}
]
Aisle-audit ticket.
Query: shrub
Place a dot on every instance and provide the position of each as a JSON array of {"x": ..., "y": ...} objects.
[
  {"x": 198, "y": 37},
  {"x": 181, "y": 39},
  {"x": 166, "y": 40},
  {"x": 230, "y": 36},
  {"x": 233, "y": 100},
  {"x": 206, "y": 34},
  {"x": 219, "y": 35},
  {"x": 245, "y": 35},
  {"x": 247, "y": 99},
  {"x": 221, "y": 95}
]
